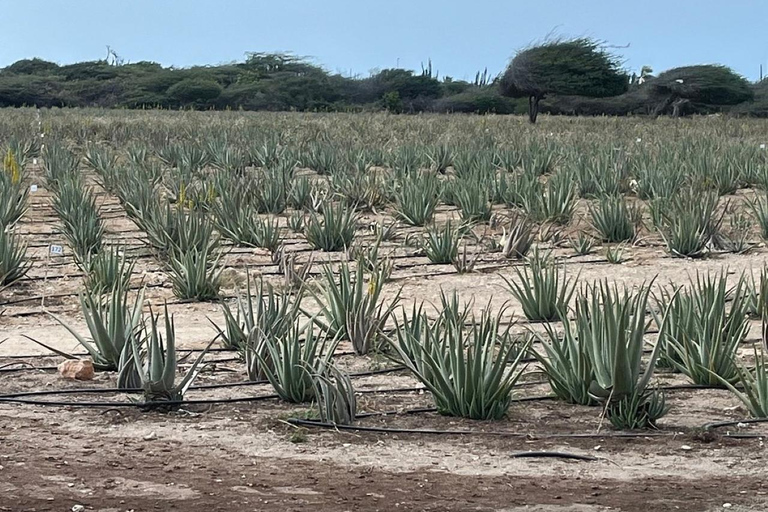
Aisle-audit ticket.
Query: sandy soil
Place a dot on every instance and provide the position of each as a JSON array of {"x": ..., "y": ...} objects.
[{"x": 244, "y": 456}]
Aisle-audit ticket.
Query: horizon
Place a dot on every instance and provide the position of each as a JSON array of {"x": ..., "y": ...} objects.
[{"x": 345, "y": 38}]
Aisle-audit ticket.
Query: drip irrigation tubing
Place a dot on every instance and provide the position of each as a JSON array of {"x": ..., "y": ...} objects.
[
  {"x": 387, "y": 430},
  {"x": 422, "y": 410},
  {"x": 140, "y": 405},
  {"x": 528, "y": 435},
  {"x": 96, "y": 391},
  {"x": 23, "y": 398},
  {"x": 86, "y": 354},
  {"x": 722, "y": 424},
  {"x": 554, "y": 455},
  {"x": 358, "y": 374}
]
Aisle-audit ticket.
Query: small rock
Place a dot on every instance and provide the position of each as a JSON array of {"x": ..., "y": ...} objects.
[
  {"x": 150, "y": 436},
  {"x": 77, "y": 369},
  {"x": 78, "y": 508},
  {"x": 727, "y": 505},
  {"x": 686, "y": 447}
]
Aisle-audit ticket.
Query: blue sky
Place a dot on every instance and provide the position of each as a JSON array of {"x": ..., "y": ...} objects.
[{"x": 461, "y": 37}]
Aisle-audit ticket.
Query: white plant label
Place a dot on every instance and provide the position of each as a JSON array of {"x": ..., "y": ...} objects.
[
  {"x": 57, "y": 249},
  {"x": 33, "y": 188}
]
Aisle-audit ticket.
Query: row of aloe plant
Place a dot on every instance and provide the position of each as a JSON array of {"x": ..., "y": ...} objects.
[
  {"x": 480, "y": 180},
  {"x": 13, "y": 205}
]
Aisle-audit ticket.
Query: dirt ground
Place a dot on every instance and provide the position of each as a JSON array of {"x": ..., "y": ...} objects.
[{"x": 245, "y": 456}]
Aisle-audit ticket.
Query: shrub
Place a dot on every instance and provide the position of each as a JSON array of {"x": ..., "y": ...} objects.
[{"x": 194, "y": 91}]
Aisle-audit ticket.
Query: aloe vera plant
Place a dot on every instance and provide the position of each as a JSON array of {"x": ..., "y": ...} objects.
[
  {"x": 759, "y": 207},
  {"x": 13, "y": 201},
  {"x": 556, "y": 203},
  {"x": 543, "y": 287},
  {"x": 351, "y": 307},
  {"x": 441, "y": 244},
  {"x": 612, "y": 325},
  {"x": 474, "y": 201},
  {"x": 612, "y": 219},
  {"x": 156, "y": 362},
  {"x": 83, "y": 227},
  {"x": 335, "y": 395},
  {"x": 751, "y": 386},
  {"x": 517, "y": 242},
  {"x": 13, "y": 261},
  {"x": 261, "y": 309},
  {"x": 334, "y": 231},
  {"x": 705, "y": 328},
  {"x": 566, "y": 360},
  {"x": 416, "y": 199},
  {"x": 112, "y": 321},
  {"x": 108, "y": 269},
  {"x": 470, "y": 372},
  {"x": 289, "y": 361},
  {"x": 688, "y": 223},
  {"x": 58, "y": 163},
  {"x": 196, "y": 274},
  {"x": 583, "y": 244}
]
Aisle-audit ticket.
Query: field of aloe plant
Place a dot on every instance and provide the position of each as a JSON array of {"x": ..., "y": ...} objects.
[{"x": 367, "y": 311}]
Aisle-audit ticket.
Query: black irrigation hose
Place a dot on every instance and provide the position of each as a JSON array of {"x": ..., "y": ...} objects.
[
  {"x": 673, "y": 387},
  {"x": 394, "y": 413},
  {"x": 422, "y": 410},
  {"x": 141, "y": 405},
  {"x": 30, "y": 368},
  {"x": 20, "y": 398},
  {"x": 20, "y": 363},
  {"x": 86, "y": 354},
  {"x": 385, "y": 430},
  {"x": 378, "y": 372},
  {"x": 80, "y": 391},
  {"x": 51, "y": 368},
  {"x": 721, "y": 424},
  {"x": 553, "y": 455}
]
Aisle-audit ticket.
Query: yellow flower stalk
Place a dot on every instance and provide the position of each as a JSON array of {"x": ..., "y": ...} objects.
[
  {"x": 11, "y": 166},
  {"x": 182, "y": 195}
]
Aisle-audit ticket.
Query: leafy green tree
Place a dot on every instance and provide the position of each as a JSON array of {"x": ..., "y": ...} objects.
[
  {"x": 32, "y": 67},
  {"x": 32, "y": 90},
  {"x": 406, "y": 84},
  {"x": 572, "y": 67},
  {"x": 392, "y": 102},
  {"x": 194, "y": 91},
  {"x": 699, "y": 85}
]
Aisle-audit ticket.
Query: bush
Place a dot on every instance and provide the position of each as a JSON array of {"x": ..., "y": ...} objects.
[
  {"x": 479, "y": 101},
  {"x": 193, "y": 90}
]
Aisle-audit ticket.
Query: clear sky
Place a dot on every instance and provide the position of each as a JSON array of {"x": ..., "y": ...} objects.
[{"x": 461, "y": 37}]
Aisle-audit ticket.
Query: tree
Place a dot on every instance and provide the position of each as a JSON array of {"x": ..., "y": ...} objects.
[
  {"x": 32, "y": 67},
  {"x": 703, "y": 85},
  {"x": 194, "y": 90},
  {"x": 406, "y": 84},
  {"x": 572, "y": 67}
]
